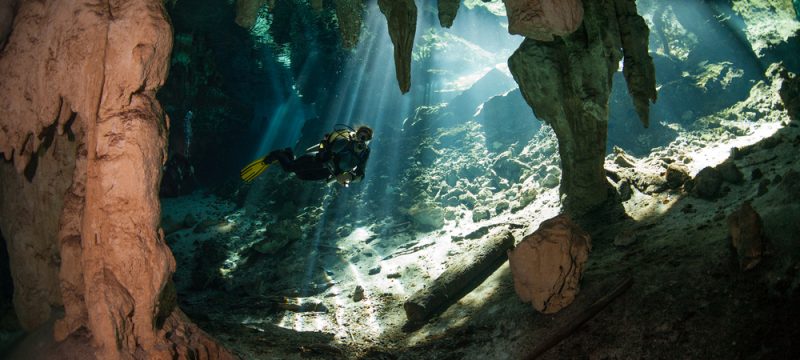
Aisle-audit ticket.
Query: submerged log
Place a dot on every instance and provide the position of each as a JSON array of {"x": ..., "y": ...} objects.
[{"x": 458, "y": 280}]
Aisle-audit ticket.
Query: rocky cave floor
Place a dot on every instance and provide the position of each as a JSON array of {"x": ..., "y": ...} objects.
[{"x": 689, "y": 298}]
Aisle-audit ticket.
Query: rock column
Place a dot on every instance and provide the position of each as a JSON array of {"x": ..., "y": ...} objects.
[
  {"x": 93, "y": 67},
  {"x": 567, "y": 82}
]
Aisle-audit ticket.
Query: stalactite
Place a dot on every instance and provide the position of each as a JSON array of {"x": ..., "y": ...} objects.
[
  {"x": 401, "y": 16},
  {"x": 638, "y": 68},
  {"x": 350, "y": 14},
  {"x": 447, "y": 12}
]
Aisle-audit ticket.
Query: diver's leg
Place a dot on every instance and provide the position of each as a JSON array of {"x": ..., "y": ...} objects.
[
  {"x": 306, "y": 167},
  {"x": 285, "y": 157}
]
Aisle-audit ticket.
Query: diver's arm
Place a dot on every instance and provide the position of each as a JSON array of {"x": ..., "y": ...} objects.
[{"x": 358, "y": 172}]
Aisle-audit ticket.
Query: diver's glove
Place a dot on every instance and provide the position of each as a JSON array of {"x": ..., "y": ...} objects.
[{"x": 344, "y": 178}]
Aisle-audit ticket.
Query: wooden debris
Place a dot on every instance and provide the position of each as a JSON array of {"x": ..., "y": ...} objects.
[
  {"x": 458, "y": 280},
  {"x": 590, "y": 312}
]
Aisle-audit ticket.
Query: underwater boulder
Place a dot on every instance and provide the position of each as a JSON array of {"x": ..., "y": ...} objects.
[
  {"x": 746, "y": 230},
  {"x": 676, "y": 175},
  {"x": 707, "y": 183},
  {"x": 427, "y": 215},
  {"x": 507, "y": 167},
  {"x": 278, "y": 236},
  {"x": 547, "y": 265},
  {"x": 730, "y": 172}
]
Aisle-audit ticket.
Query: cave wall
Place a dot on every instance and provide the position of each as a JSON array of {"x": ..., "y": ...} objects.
[{"x": 91, "y": 68}]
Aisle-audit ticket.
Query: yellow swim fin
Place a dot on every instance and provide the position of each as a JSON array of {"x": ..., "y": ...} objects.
[{"x": 251, "y": 171}]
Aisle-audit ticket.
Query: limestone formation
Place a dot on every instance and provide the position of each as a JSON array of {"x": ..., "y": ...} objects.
[
  {"x": 247, "y": 12},
  {"x": 543, "y": 19},
  {"x": 447, "y": 12},
  {"x": 746, "y": 229},
  {"x": 640, "y": 75},
  {"x": 401, "y": 16},
  {"x": 350, "y": 14},
  {"x": 547, "y": 265},
  {"x": 567, "y": 82},
  {"x": 91, "y": 70}
]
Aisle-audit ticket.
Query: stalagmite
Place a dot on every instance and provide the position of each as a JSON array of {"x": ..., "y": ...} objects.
[
  {"x": 101, "y": 65},
  {"x": 401, "y": 16},
  {"x": 350, "y": 14},
  {"x": 543, "y": 19},
  {"x": 567, "y": 82},
  {"x": 447, "y": 12}
]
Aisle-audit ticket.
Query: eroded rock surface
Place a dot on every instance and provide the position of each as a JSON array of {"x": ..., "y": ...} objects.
[
  {"x": 567, "y": 82},
  {"x": 547, "y": 265},
  {"x": 401, "y": 16},
  {"x": 746, "y": 229},
  {"x": 543, "y": 19}
]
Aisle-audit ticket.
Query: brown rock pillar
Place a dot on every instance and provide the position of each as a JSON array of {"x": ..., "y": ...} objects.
[
  {"x": 567, "y": 82},
  {"x": 92, "y": 67}
]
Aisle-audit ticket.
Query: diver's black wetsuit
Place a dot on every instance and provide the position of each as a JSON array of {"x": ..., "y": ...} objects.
[
  {"x": 340, "y": 157},
  {"x": 306, "y": 167}
]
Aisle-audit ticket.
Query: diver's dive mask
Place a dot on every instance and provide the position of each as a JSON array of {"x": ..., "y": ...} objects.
[
  {"x": 363, "y": 136},
  {"x": 360, "y": 146}
]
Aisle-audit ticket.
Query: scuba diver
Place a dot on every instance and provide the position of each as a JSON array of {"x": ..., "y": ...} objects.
[{"x": 341, "y": 156}]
